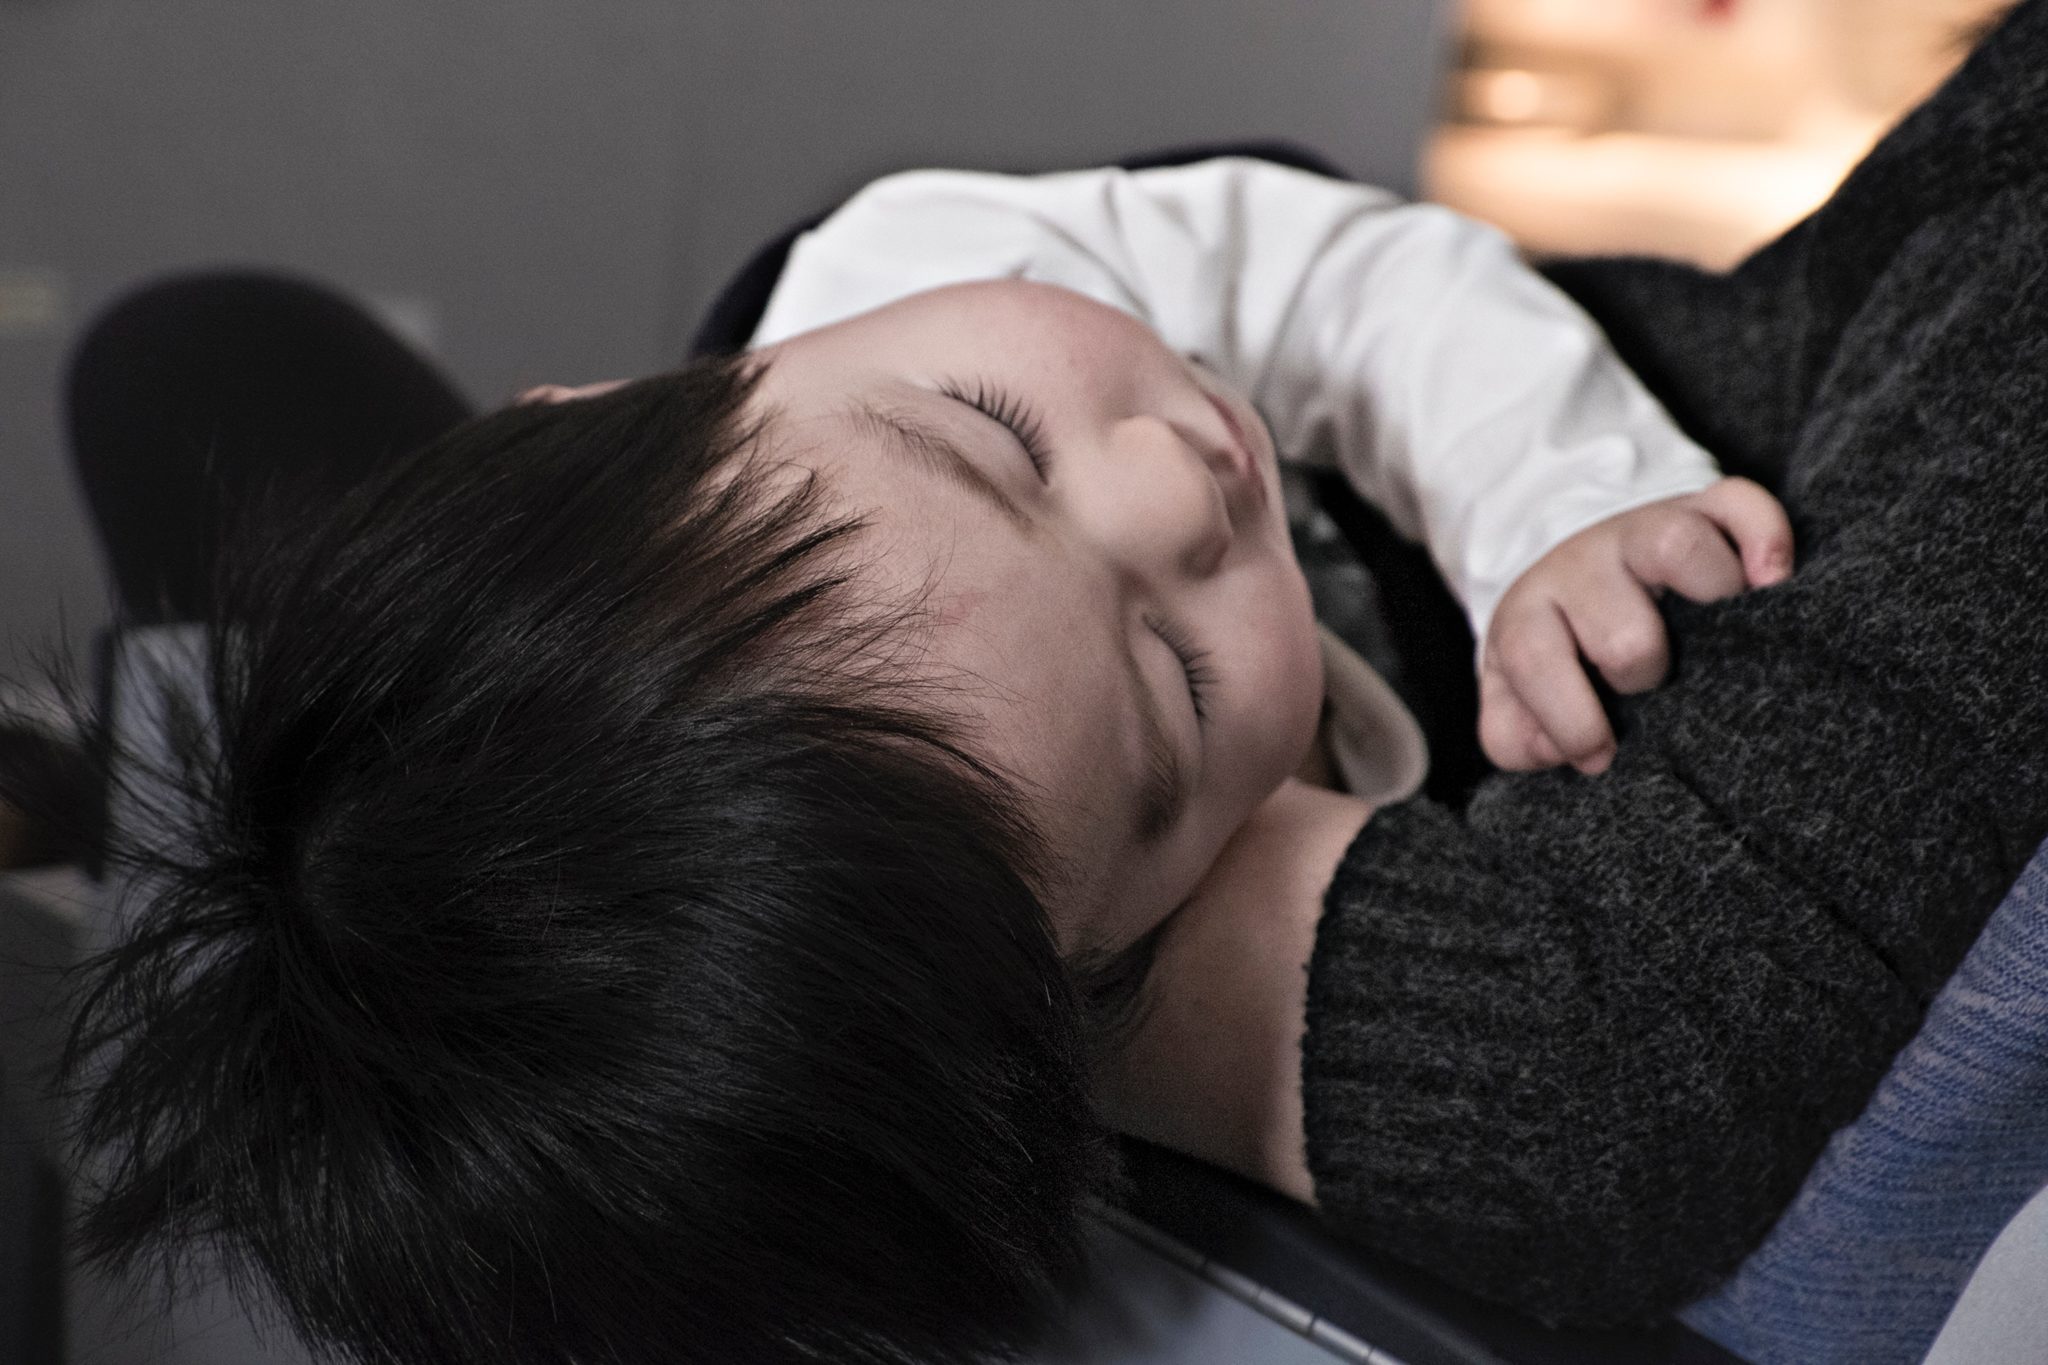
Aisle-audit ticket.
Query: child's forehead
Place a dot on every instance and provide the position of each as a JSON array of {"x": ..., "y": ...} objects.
[
  {"x": 1001, "y": 322},
  {"x": 792, "y": 389},
  {"x": 800, "y": 393}
]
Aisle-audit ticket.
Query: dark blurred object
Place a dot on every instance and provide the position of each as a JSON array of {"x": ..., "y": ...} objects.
[
  {"x": 207, "y": 392},
  {"x": 40, "y": 916},
  {"x": 49, "y": 799}
]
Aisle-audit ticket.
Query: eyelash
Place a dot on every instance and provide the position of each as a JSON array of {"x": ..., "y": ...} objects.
[
  {"x": 1002, "y": 406},
  {"x": 1193, "y": 662}
]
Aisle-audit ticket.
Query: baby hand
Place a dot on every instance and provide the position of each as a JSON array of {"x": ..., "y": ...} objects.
[{"x": 1594, "y": 595}]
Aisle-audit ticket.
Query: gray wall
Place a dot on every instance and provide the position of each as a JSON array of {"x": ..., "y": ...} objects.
[{"x": 554, "y": 190}]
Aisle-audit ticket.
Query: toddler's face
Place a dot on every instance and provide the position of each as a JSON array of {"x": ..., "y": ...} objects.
[{"x": 1100, "y": 524}]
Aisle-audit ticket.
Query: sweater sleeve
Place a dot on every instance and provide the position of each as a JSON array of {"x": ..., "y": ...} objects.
[
  {"x": 1472, "y": 401},
  {"x": 1575, "y": 1048}
]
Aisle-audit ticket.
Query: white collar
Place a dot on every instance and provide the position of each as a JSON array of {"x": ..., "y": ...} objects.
[{"x": 1375, "y": 740}]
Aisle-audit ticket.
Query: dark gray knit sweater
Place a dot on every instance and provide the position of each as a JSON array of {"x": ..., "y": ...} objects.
[{"x": 1575, "y": 1048}]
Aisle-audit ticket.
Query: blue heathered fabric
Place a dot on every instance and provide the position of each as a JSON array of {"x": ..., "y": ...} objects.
[{"x": 1865, "y": 1265}]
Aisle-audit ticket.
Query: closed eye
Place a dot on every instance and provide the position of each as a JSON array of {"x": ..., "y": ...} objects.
[
  {"x": 1194, "y": 664},
  {"x": 1010, "y": 412}
]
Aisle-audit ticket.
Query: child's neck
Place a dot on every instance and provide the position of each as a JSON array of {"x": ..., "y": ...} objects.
[{"x": 1213, "y": 1068}]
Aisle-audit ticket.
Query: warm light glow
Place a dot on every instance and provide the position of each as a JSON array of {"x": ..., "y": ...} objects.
[
  {"x": 1683, "y": 128},
  {"x": 1707, "y": 200},
  {"x": 1509, "y": 96}
]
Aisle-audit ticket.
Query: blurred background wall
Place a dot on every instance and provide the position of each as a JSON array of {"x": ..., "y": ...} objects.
[
  {"x": 534, "y": 189},
  {"x": 541, "y": 190}
]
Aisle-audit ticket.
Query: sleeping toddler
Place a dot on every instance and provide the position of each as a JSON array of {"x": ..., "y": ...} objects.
[
  {"x": 1088, "y": 488},
  {"x": 653, "y": 879}
]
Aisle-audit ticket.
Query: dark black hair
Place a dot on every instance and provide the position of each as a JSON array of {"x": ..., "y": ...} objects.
[{"x": 574, "y": 944}]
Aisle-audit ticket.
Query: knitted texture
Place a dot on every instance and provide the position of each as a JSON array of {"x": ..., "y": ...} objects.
[
  {"x": 1575, "y": 1048},
  {"x": 1866, "y": 1264}
]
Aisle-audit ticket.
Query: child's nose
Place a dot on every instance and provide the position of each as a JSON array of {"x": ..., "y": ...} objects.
[{"x": 1167, "y": 511}]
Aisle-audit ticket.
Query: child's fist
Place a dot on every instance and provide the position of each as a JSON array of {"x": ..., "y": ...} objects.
[{"x": 1593, "y": 598}]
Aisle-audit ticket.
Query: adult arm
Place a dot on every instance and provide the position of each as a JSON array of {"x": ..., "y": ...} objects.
[
  {"x": 1472, "y": 401},
  {"x": 1576, "y": 1047},
  {"x": 1688, "y": 972}
]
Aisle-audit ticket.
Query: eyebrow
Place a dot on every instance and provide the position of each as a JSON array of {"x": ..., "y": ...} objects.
[{"x": 931, "y": 448}]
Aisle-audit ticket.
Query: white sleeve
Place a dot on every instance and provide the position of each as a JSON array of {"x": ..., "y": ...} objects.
[{"x": 1462, "y": 394}]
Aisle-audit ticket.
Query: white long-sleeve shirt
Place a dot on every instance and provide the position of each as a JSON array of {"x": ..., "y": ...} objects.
[{"x": 1462, "y": 394}]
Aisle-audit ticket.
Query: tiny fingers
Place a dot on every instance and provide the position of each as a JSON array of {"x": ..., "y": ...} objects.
[
  {"x": 1682, "y": 548},
  {"x": 1539, "y": 659},
  {"x": 1622, "y": 635},
  {"x": 1508, "y": 732},
  {"x": 1748, "y": 514}
]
